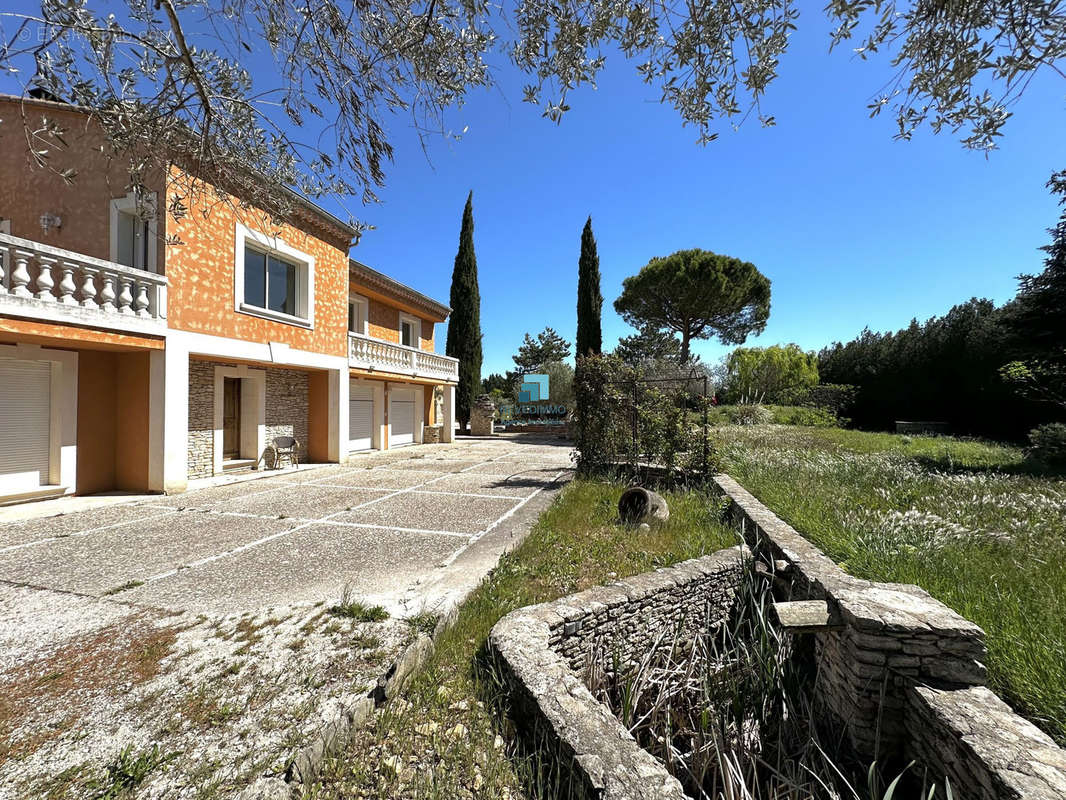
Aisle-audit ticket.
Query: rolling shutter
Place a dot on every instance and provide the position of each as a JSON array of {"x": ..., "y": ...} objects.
[
  {"x": 401, "y": 418},
  {"x": 360, "y": 417},
  {"x": 25, "y": 424}
]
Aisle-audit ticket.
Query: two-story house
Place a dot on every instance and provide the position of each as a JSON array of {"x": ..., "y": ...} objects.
[{"x": 139, "y": 351}]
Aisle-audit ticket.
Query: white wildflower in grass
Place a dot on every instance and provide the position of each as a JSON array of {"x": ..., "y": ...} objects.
[{"x": 963, "y": 519}]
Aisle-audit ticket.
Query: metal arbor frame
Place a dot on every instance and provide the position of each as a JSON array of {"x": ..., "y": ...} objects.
[{"x": 634, "y": 385}]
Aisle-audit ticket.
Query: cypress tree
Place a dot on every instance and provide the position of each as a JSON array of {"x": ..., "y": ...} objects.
[
  {"x": 464, "y": 326},
  {"x": 589, "y": 299}
]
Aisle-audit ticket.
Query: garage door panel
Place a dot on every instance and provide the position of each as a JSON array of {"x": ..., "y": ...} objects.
[
  {"x": 401, "y": 418},
  {"x": 360, "y": 417},
  {"x": 25, "y": 424}
]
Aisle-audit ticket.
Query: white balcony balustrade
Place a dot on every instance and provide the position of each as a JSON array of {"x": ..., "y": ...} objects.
[
  {"x": 38, "y": 281},
  {"x": 376, "y": 354}
]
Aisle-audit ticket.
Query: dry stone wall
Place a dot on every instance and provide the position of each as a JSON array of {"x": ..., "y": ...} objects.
[
  {"x": 903, "y": 666},
  {"x": 541, "y": 650},
  {"x": 898, "y": 670}
]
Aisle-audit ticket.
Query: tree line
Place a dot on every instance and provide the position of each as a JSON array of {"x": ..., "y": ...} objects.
[{"x": 985, "y": 370}]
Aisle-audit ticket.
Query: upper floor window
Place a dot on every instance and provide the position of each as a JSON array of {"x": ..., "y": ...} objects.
[
  {"x": 358, "y": 308},
  {"x": 273, "y": 279},
  {"x": 409, "y": 331},
  {"x": 270, "y": 281},
  {"x": 133, "y": 231}
]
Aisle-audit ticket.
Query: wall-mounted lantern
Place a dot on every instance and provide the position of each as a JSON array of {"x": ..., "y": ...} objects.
[{"x": 49, "y": 221}]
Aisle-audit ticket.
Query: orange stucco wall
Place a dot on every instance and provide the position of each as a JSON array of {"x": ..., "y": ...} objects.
[
  {"x": 96, "y": 422},
  {"x": 426, "y": 341},
  {"x": 201, "y": 272},
  {"x": 427, "y": 410},
  {"x": 27, "y": 190},
  {"x": 318, "y": 417},
  {"x": 201, "y": 268},
  {"x": 113, "y": 410},
  {"x": 383, "y": 320},
  {"x": 132, "y": 444}
]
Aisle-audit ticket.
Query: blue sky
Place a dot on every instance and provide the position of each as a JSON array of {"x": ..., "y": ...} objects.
[{"x": 852, "y": 227}]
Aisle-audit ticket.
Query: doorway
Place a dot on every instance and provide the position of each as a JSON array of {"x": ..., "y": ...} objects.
[{"x": 231, "y": 418}]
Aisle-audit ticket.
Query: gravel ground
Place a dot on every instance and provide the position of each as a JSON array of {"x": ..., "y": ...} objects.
[
  {"x": 183, "y": 646},
  {"x": 195, "y": 707}
]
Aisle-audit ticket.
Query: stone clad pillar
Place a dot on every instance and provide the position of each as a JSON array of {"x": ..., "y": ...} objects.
[{"x": 482, "y": 415}]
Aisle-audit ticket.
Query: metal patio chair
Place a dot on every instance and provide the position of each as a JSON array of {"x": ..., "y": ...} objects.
[{"x": 285, "y": 446}]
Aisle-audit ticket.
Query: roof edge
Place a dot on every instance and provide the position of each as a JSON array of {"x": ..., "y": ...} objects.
[{"x": 400, "y": 290}]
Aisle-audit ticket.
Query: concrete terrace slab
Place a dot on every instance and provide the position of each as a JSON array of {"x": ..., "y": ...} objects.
[
  {"x": 16, "y": 533},
  {"x": 510, "y": 486},
  {"x": 381, "y": 478},
  {"x": 229, "y": 532},
  {"x": 262, "y": 648},
  {"x": 433, "y": 464},
  {"x": 528, "y": 466},
  {"x": 217, "y": 496},
  {"x": 312, "y": 564},
  {"x": 432, "y": 512},
  {"x": 105, "y": 560},
  {"x": 304, "y": 502}
]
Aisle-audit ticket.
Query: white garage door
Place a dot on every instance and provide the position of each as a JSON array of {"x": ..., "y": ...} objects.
[
  {"x": 25, "y": 401},
  {"x": 401, "y": 417},
  {"x": 360, "y": 417}
]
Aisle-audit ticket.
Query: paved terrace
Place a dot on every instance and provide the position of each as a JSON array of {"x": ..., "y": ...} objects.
[
  {"x": 202, "y": 621},
  {"x": 383, "y": 525}
]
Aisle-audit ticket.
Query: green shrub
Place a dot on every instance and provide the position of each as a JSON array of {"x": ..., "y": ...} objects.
[
  {"x": 1047, "y": 444},
  {"x": 750, "y": 414},
  {"x": 804, "y": 416},
  {"x": 837, "y": 398},
  {"x": 622, "y": 417}
]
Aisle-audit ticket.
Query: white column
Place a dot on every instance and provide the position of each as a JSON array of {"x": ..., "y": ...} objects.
[
  {"x": 67, "y": 429},
  {"x": 338, "y": 415},
  {"x": 448, "y": 434},
  {"x": 420, "y": 411},
  {"x": 157, "y": 404},
  {"x": 176, "y": 416}
]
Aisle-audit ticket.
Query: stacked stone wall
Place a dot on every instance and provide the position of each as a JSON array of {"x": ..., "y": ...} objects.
[
  {"x": 287, "y": 411},
  {"x": 201, "y": 445},
  {"x": 541, "y": 650},
  {"x": 902, "y": 672},
  {"x": 287, "y": 406},
  {"x": 627, "y": 619},
  {"x": 899, "y": 671}
]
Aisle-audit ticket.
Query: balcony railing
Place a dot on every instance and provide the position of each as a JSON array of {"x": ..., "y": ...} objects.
[
  {"x": 376, "y": 354},
  {"x": 38, "y": 281}
]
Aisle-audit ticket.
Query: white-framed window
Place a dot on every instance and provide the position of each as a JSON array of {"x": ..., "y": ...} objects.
[
  {"x": 272, "y": 279},
  {"x": 358, "y": 314},
  {"x": 133, "y": 231},
  {"x": 409, "y": 330}
]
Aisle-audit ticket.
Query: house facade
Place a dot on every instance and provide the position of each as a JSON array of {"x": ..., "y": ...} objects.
[{"x": 141, "y": 349}]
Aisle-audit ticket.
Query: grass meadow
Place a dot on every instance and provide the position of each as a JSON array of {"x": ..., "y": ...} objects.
[{"x": 966, "y": 520}]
